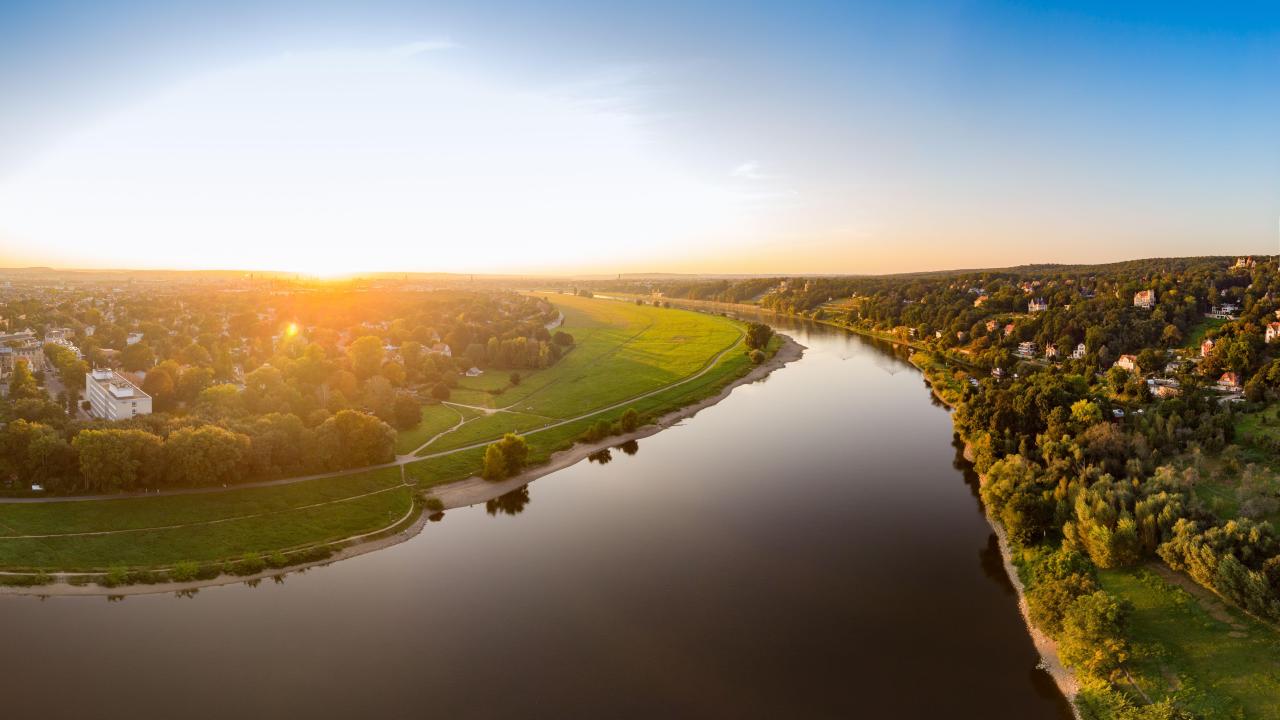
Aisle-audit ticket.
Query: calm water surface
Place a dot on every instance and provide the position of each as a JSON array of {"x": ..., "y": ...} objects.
[{"x": 810, "y": 547}]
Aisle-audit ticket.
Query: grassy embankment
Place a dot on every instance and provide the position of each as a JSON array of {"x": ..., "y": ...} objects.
[
  {"x": 1208, "y": 657},
  {"x": 622, "y": 351}
]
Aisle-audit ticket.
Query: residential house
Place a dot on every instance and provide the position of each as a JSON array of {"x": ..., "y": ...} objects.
[
  {"x": 133, "y": 339},
  {"x": 1163, "y": 388},
  {"x": 1145, "y": 299},
  {"x": 1079, "y": 352},
  {"x": 1206, "y": 347},
  {"x": 1273, "y": 331},
  {"x": 1229, "y": 382},
  {"x": 1026, "y": 349},
  {"x": 980, "y": 300},
  {"x": 997, "y": 373},
  {"x": 1037, "y": 305},
  {"x": 1128, "y": 362},
  {"x": 1008, "y": 329},
  {"x": 1050, "y": 351}
]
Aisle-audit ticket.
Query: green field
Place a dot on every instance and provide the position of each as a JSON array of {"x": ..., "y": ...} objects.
[
  {"x": 1195, "y": 336},
  {"x": 1211, "y": 659},
  {"x": 435, "y": 419},
  {"x": 622, "y": 353}
]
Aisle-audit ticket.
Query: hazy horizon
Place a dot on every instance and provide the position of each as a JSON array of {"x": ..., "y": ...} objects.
[{"x": 574, "y": 275}]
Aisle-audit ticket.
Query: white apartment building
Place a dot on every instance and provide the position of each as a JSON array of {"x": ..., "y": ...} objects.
[{"x": 112, "y": 397}]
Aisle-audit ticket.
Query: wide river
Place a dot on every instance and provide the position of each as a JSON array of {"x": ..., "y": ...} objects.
[{"x": 812, "y": 546}]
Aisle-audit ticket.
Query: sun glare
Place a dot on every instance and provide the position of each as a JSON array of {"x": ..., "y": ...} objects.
[{"x": 368, "y": 161}]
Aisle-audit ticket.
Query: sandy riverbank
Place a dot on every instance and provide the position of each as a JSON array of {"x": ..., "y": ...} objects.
[
  {"x": 463, "y": 493},
  {"x": 1063, "y": 676}
]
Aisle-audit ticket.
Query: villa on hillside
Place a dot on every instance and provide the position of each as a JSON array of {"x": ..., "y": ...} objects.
[
  {"x": 1145, "y": 299},
  {"x": 1037, "y": 305},
  {"x": 1079, "y": 352},
  {"x": 1273, "y": 331},
  {"x": 1229, "y": 382},
  {"x": 1206, "y": 347},
  {"x": 1051, "y": 351},
  {"x": 1026, "y": 349},
  {"x": 1225, "y": 311},
  {"x": 1128, "y": 362}
]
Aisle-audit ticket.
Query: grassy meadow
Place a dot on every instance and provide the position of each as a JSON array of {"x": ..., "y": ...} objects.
[{"x": 1188, "y": 645}]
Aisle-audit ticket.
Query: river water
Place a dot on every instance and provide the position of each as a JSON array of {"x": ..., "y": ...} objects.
[{"x": 810, "y": 547}]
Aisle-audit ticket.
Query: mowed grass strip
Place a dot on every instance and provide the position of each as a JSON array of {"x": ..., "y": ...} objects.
[
  {"x": 287, "y": 529},
  {"x": 435, "y": 420},
  {"x": 147, "y": 512},
  {"x": 1216, "y": 662}
]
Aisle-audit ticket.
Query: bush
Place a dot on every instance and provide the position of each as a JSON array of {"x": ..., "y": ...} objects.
[
  {"x": 184, "y": 571},
  {"x": 114, "y": 577},
  {"x": 515, "y": 378},
  {"x": 601, "y": 430},
  {"x": 630, "y": 420},
  {"x": 440, "y": 391},
  {"x": 757, "y": 357},
  {"x": 249, "y": 564},
  {"x": 277, "y": 560}
]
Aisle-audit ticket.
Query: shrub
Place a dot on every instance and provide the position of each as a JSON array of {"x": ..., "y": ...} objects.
[
  {"x": 440, "y": 391},
  {"x": 115, "y": 576},
  {"x": 433, "y": 504},
  {"x": 757, "y": 357},
  {"x": 184, "y": 571},
  {"x": 277, "y": 559},
  {"x": 249, "y": 564},
  {"x": 630, "y": 420}
]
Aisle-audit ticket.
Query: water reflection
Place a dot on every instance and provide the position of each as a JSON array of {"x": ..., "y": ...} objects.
[
  {"x": 604, "y": 457},
  {"x": 512, "y": 503},
  {"x": 630, "y": 447}
]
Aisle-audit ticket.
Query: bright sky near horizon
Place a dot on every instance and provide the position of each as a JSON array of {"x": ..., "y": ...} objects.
[{"x": 777, "y": 137}]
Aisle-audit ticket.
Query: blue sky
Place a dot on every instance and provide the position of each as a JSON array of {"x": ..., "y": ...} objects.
[{"x": 767, "y": 137}]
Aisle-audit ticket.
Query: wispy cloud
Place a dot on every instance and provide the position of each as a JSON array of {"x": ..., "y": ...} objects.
[
  {"x": 417, "y": 48},
  {"x": 749, "y": 170}
]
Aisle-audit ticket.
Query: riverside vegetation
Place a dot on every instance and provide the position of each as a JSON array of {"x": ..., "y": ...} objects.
[
  {"x": 556, "y": 369},
  {"x": 1123, "y": 421}
]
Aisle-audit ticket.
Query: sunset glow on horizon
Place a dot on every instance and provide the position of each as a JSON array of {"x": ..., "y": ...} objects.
[{"x": 431, "y": 142}]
